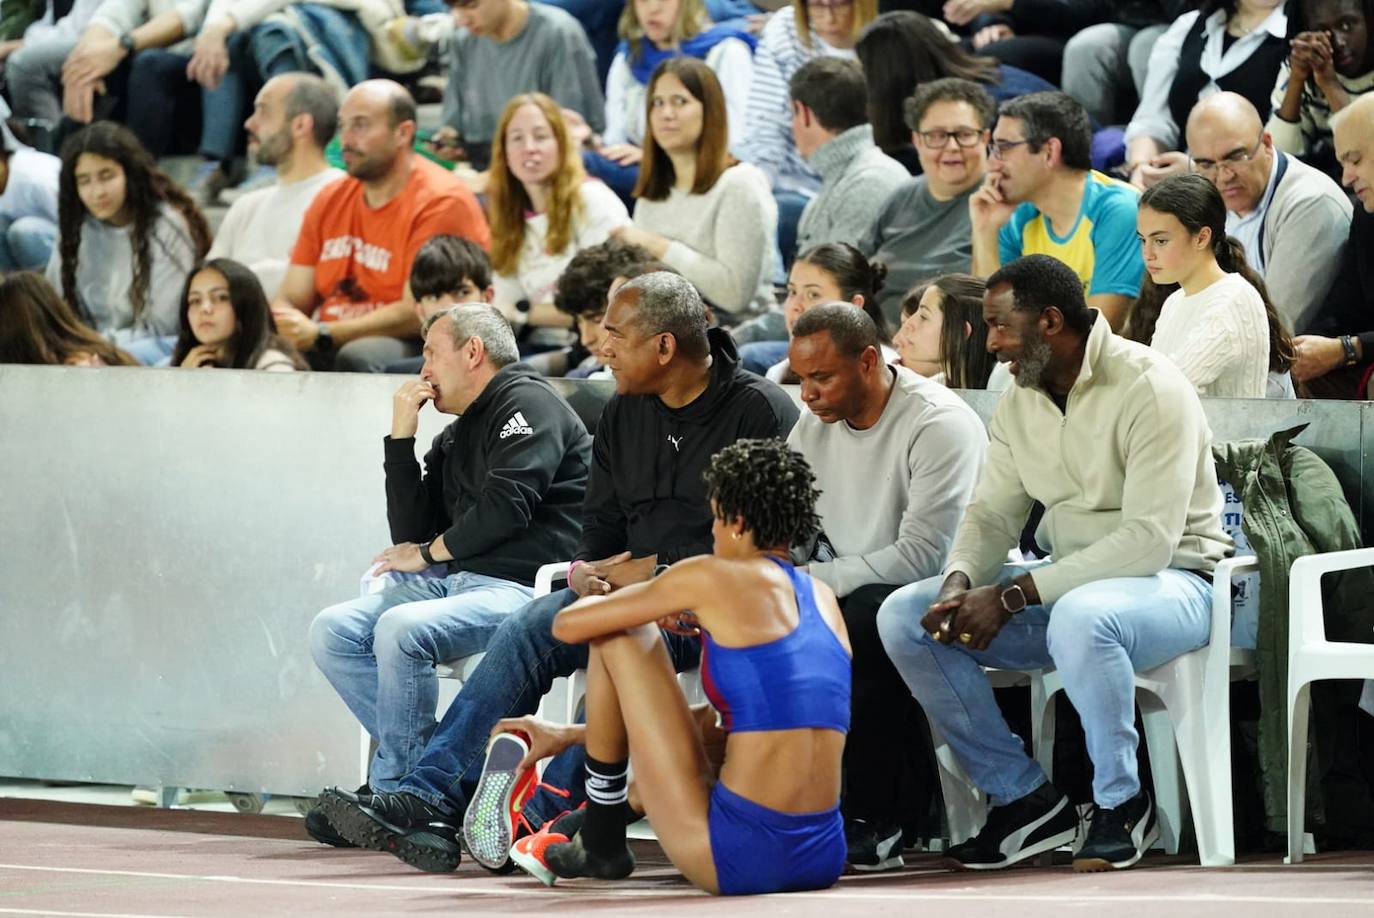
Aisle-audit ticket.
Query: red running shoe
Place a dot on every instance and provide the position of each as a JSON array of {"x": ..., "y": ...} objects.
[{"x": 528, "y": 852}]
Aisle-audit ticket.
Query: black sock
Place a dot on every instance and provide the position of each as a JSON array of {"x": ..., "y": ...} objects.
[{"x": 603, "y": 831}]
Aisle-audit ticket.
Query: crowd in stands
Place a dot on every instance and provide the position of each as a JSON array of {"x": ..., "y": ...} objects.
[{"x": 873, "y": 200}]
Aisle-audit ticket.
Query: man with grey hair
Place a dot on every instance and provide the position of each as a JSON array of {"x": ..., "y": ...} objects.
[
  {"x": 500, "y": 494},
  {"x": 1336, "y": 349},
  {"x": 681, "y": 396},
  {"x": 294, "y": 117}
]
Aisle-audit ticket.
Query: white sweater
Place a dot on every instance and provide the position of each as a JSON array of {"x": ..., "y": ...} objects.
[
  {"x": 895, "y": 522},
  {"x": 1218, "y": 337},
  {"x": 722, "y": 240},
  {"x": 539, "y": 269},
  {"x": 261, "y": 227}
]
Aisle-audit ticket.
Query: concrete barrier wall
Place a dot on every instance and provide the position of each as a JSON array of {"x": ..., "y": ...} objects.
[{"x": 167, "y": 537}]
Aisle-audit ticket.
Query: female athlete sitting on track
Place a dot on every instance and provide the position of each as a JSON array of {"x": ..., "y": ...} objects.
[{"x": 776, "y": 665}]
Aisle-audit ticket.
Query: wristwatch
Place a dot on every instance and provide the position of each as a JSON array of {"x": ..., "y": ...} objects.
[
  {"x": 324, "y": 338},
  {"x": 1014, "y": 599},
  {"x": 660, "y": 569},
  {"x": 126, "y": 41},
  {"x": 424, "y": 553}
]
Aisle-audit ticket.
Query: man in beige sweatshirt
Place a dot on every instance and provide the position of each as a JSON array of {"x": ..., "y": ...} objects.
[{"x": 1110, "y": 437}]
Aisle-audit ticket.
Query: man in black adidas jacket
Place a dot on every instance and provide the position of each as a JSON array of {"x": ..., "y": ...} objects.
[
  {"x": 680, "y": 397},
  {"x": 501, "y": 492}
]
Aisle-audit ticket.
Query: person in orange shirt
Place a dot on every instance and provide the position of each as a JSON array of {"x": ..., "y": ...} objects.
[{"x": 343, "y": 301}]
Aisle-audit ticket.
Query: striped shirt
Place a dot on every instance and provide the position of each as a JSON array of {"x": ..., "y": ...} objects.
[{"x": 769, "y": 144}]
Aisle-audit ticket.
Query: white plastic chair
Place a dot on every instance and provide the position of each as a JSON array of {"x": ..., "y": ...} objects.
[
  {"x": 1186, "y": 708},
  {"x": 1311, "y": 657}
]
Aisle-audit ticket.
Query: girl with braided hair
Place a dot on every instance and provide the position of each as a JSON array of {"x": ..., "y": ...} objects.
[
  {"x": 128, "y": 238},
  {"x": 776, "y": 666}
]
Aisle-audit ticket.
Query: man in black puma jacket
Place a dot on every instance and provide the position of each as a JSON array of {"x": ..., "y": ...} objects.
[
  {"x": 680, "y": 397},
  {"x": 501, "y": 493}
]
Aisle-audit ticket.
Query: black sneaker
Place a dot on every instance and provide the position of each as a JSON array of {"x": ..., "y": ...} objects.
[
  {"x": 318, "y": 827},
  {"x": 873, "y": 846},
  {"x": 1119, "y": 837},
  {"x": 1040, "y": 821},
  {"x": 398, "y": 823}
]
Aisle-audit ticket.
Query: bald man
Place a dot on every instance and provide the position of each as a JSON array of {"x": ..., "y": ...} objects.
[
  {"x": 342, "y": 302},
  {"x": 1335, "y": 356},
  {"x": 1290, "y": 218}
]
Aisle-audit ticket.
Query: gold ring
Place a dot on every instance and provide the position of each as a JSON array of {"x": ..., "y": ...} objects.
[{"x": 965, "y": 638}]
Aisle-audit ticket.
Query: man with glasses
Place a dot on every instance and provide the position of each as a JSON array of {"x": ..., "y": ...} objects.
[
  {"x": 922, "y": 230},
  {"x": 1291, "y": 218},
  {"x": 1042, "y": 196},
  {"x": 830, "y": 125}
]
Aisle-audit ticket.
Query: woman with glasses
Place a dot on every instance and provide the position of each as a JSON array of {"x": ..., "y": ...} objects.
[
  {"x": 698, "y": 209},
  {"x": 903, "y": 50},
  {"x": 651, "y": 32},
  {"x": 1226, "y": 45},
  {"x": 1331, "y": 63},
  {"x": 923, "y": 230},
  {"x": 795, "y": 34},
  {"x": 543, "y": 211},
  {"x": 1210, "y": 311}
]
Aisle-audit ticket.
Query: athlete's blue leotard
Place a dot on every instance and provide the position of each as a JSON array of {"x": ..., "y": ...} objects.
[{"x": 798, "y": 681}]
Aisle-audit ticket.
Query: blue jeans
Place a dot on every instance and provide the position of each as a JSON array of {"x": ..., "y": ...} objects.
[
  {"x": 790, "y": 207},
  {"x": 379, "y": 653},
  {"x": 758, "y": 356},
  {"x": 1097, "y": 636},
  {"x": 523, "y": 658},
  {"x": 26, "y": 243},
  {"x": 618, "y": 178}
]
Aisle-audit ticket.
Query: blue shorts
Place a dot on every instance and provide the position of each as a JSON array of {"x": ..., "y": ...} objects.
[{"x": 758, "y": 850}]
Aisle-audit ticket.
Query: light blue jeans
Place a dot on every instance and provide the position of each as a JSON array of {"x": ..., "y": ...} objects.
[
  {"x": 26, "y": 243},
  {"x": 1097, "y": 636},
  {"x": 380, "y": 652}
]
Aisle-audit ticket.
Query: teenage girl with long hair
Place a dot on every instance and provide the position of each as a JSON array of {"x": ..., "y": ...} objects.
[
  {"x": 227, "y": 322},
  {"x": 1201, "y": 303},
  {"x": 943, "y": 334},
  {"x": 36, "y": 326},
  {"x": 128, "y": 237}
]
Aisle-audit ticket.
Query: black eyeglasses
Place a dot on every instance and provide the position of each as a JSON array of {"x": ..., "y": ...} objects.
[
  {"x": 938, "y": 138},
  {"x": 1000, "y": 148}
]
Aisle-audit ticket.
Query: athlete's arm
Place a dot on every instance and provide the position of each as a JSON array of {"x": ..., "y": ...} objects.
[{"x": 685, "y": 585}]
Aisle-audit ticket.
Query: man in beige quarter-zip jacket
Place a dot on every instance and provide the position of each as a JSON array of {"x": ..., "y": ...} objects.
[{"x": 1110, "y": 437}]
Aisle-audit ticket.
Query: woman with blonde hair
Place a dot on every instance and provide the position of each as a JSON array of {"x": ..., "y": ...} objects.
[
  {"x": 651, "y": 32},
  {"x": 543, "y": 210},
  {"x": 698, "y": 209},
  {"x": 38, "y": 327}
]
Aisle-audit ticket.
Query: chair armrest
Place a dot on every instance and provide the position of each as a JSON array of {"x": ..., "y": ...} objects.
[
  {"x": 547, "y": 574},
  {"x": 1306, "y": 623}
]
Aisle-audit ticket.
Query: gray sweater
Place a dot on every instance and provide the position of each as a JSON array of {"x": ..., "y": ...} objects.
[
  {"x": 892, "y": 496},
  {"x": 105, "y": 270},
  {"x": 551, "y": 55},
  {"x": 856, "y": 178},
  {"x": 722, "y": 240},
  {"x": 1305, "y": 227}
]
